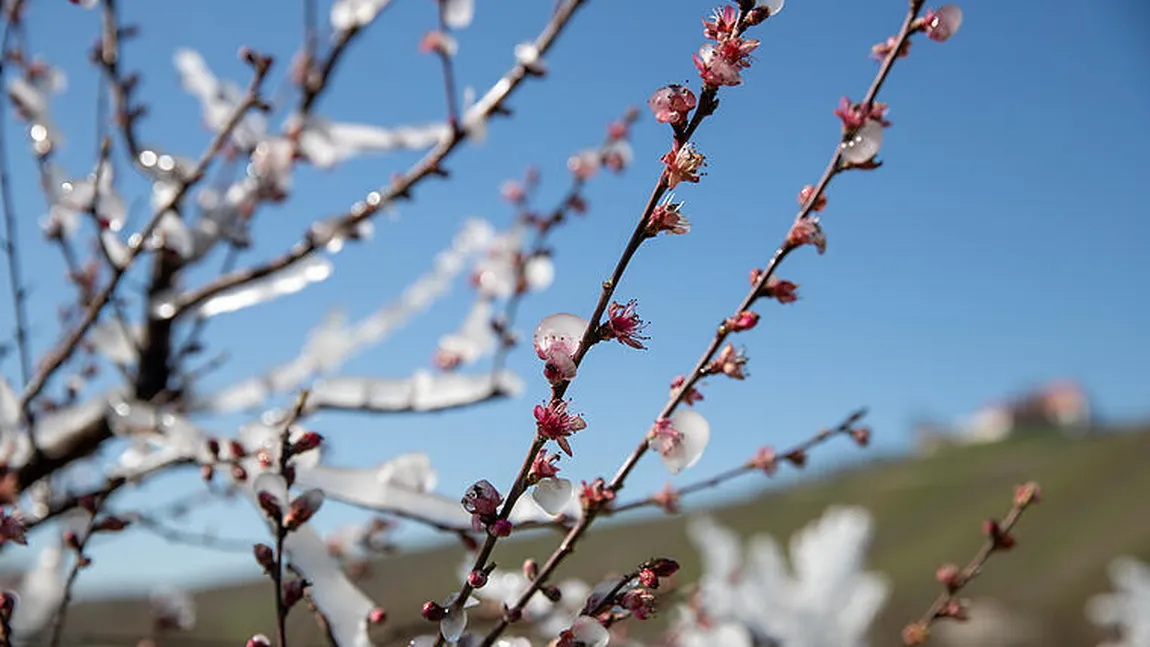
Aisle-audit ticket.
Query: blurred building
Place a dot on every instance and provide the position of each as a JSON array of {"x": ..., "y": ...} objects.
[{"x": 1061, "y": 406}]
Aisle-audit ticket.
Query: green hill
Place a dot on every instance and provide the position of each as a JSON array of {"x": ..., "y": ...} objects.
[{"x": 927, "y": 511}]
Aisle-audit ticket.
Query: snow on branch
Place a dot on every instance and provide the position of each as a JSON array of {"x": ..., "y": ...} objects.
[{"x": 333, "y": 341}]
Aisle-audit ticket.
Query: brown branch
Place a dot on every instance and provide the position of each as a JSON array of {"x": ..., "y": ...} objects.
[
  {"x": 795, "y": 456},
  {"x": 702, "y": 367},
  {"x": 280, "y": 528},
  {"x": 77, "y": 543},
  {"x": 11, "y": 249},
  {"x": 191, "y": 538},
  {"x": 401, "y": 187},
  {"x": 954, "y": 580},
  {"x": 591, "y": 336},
  {"x": 56, "y": 359}
]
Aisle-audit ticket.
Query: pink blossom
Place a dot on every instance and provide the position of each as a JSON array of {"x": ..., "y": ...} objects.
[
  {"x": 680, "y": 440},
  {"x": 780, "y": 290},
  {"x": 543, "y": 466},
  {"x": 854, "y": 115},
  {"x": 671, "y": 103},
  {"x": 667, "y": 217},
  {"x": 730, "y": 362},
  {"x": 596, "y": 493},
  {"x": 556, "y": 340},
  {"x": 745, "y": 320},
  {"x": 584, "y": 164},
  {"x": 805, "y": 197},
  {"x": 640, "y": 602},
  {"x": 664, "y": 438},
  {"x": 691, "y": 396},
  {"x": 807, "y": 231},
  {"x": 624, "y": 325},
  {"x": 553, "y": 422},
  {"x": 880, "y": 51},
  {"x": 722, "y": 63},
  {"x": 683, "y": 164},
  {"x": 481, "y": 499},
  {"x": 765, "y": 460},
  {"x": 513, "y": 192},
  {"x": 724, "y": 23}
]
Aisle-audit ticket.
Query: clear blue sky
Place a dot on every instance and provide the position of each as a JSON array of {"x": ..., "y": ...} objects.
[{"x": 1002, "y": 244}]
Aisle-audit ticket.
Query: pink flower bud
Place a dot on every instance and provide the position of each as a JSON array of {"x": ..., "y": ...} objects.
[
  {"x": 377, "y": 616},
  {"x": 745, "y": 320},
  {"x": 433, "y": 611},
  {"x": 302, "y": 508},
  {"x": 306, "y": 442},
  {"x": 293, "y": 592},
  {"x": 477, "y": 579},
  {"x": 265, "y": 556},
  {"x": 1027, "y": 494},
  {"x": 482, "y": 498},
  {"x": 949, "y": 576},
  {"x": 501, "y": 528},
  {"x": 270, "y": 504},
  {"x": 671, "y": 104},
  {"x": 259, "y": 640}
]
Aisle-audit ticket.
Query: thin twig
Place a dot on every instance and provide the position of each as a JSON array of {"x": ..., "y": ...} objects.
[
  {"x": 795, "y": 453},
  {"x": 594, "y": 508},
  {"x": 78, "y": 544},
  {"x": 57, "y": 358},
  {"x": 430, "y": 165},
  {"x": 11, "y": 248},
  {"x": 281, "y": 530},
  {"x": 998, "y": 539}
]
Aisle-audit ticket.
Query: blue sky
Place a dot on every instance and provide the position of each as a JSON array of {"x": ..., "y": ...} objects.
[{"x": 1002, "y": 244}]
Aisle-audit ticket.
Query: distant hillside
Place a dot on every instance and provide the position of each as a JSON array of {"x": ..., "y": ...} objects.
[{"x": 927, "y": 511}]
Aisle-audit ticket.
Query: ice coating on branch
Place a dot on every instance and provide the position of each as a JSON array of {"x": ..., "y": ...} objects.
[
  {"x": 114, "y": 248},
  {"x": 590, "y": 632},
  {"x": 681, "y": 440},
  {"x": 327, "y": 143},
  {"x": 824, "y": 598},
  {"x": 30, "y": 96},
  {"x": 10, "y": 415},
  {"x": 54, "y": 430},
  {"x": 457, "y": 14},
  {"x": 173, "y": 608},
  {"x": 219, "y": 99},
  {"x": 353, "y": 14},
  {"x": 334, "y": 341},
  {"x": 1128, "y": 607},
  {"x": 425, "y": 391},
  {"x": 384, "y": 491},
  {"x": 554, "y": 495},
  {"x": 113, "y": 341},
  {"x": 474, "y": 340},
  {"x": 345, "y": 606},
  {"x": 160, "y": 437},
  {"x": 865, "y": 143},
  {"x": 71, "y": 198},
  {"x": 547, "y": 618},
  {"x": 494, "y": 273},
  {"x": 40, "y": 592},
  {"x": 289, "y": 280}
]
